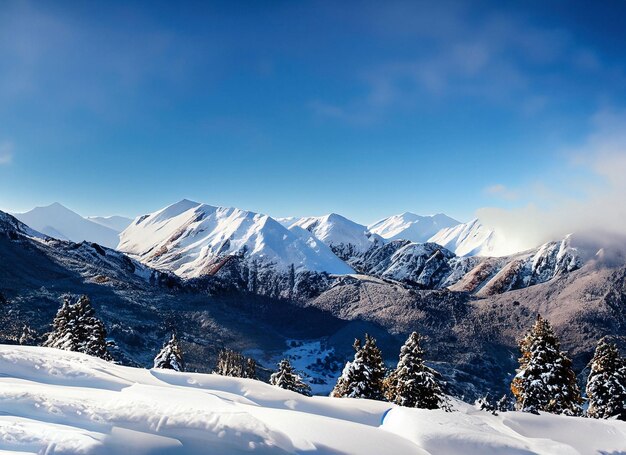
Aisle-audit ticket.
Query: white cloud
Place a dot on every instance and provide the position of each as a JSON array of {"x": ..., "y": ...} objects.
[
  {"x": 501, "y": 191},
  {"x": 6, "y": 153},
  {"x": 588, "y": 194}
]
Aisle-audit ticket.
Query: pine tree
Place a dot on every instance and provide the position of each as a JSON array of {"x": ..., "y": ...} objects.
[
  {"x": 28, "y": 336},
  {"x": 230, "y": 363},
  {"x": 606, "y": 386},
  {"x": 171, "y": 356},
  {"x": 412, "y": 383},
  {"x": 76, "y": 328},
  {"x": 545, "y": 380},
  {"x": 485, "y": 403},
  {"x": 287, "y": 378},
  {"x": 250, "y": 369},
  {"x": 504, "y": 403},
  {"x": 62, "y": 337},
  {"x": 363, "y": 377}
]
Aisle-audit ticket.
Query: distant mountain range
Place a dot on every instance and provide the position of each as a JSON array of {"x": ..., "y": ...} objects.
[
  {"x": 228, "y": 277},
  {"x": 190, "y": 238},
  {"x": 59, "y": 222}
]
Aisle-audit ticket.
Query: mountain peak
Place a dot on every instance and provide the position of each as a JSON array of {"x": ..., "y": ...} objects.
[
  {"x": 410, "y": 226},
  {"x": 189, "y": 237},
  {"x": 56, "y": 220}
]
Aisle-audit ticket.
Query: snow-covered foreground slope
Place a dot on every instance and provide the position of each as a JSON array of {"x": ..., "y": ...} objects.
[
  {"x": 57, "y": 402},
  {"x": 188, "y": 238},
  {"x": 62, "y": 223},
  {"x": 409, "y": 226}
]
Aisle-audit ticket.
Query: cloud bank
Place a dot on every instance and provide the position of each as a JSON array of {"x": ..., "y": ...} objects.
[{"x": 591, "y": 197}]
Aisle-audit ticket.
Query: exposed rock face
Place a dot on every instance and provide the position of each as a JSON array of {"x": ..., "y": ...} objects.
[{"x": 430, "y": 266}]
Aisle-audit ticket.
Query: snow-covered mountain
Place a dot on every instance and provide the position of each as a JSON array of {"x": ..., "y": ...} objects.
[
  {"x": 289, "y": 220},
  {"x": 466, "y": 239},
  {"x": 345, "y": 237},
  {"x": 62, "y": 223},
  {"x": 117, "y": 223},
  {"x": 401, "y": 286},
  {"x": 191, "y": 239},
  {"x": 409, "y": 226}
]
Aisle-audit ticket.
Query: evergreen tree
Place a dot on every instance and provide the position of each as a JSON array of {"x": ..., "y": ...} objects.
[
  {"x": 171, "y": 356},
  {"x": 250, "y": 369},
  {"x": 606, "y": 386},
  {"x": 76, "y": 328},
  {"x": 28, "y": 336},
  {"x": 504, "y": 403},
  {"x": 412, "y": 383},
  {"x": 363, "y": 377},
  {"x": 230, "y": 363},
  {"x": 545, "y": 380},
  {"x": 486, "y": 404},
  {"x": 287, "y": 378}
]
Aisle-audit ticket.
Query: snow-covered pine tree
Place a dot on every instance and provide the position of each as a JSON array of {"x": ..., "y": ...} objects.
[
  {"x": 230, "y": 363},
  {"x": 504, "y": 404},
  {"x": 363, "y": 377},
  {"x": 412, "y": 383},
  {"x": 545, "y": 380},
  {"x": 485, "y": 403},
  {"x": 287, "y": 378},
  {"x": 76, "y": 328},
  {"x": 28, "y": 336},
  {"x": 340, "y": 389},
  {"x": 171, "y": 356},
  {"x": 250, "y": 369},
  {"x": 61, "y": 336},
  {"x": 606, "y": 386}
]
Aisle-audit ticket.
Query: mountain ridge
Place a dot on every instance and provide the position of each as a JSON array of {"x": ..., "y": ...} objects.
[{"x": 58, "y": 221}]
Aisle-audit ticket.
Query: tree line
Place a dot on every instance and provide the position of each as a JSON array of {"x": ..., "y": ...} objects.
[{"x": 545, "y": 380}]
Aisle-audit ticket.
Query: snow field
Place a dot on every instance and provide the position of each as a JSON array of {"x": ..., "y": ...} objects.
[{"x": 58, "y": 402}]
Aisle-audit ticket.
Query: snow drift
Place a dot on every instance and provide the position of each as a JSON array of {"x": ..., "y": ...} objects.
[{"x": 58, "y": 402}]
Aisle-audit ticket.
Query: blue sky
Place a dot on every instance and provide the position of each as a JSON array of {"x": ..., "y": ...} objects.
[{"x": 362, "y": 108}]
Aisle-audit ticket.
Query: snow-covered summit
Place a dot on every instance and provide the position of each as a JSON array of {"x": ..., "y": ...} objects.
[
  {"x": 344, "y": 236},
  {"x": 62, "y": 223},
  {"x": 409, "y": 226},
  {"x": 466, "y": 239},
  {"x": 187, "y": 238}
]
